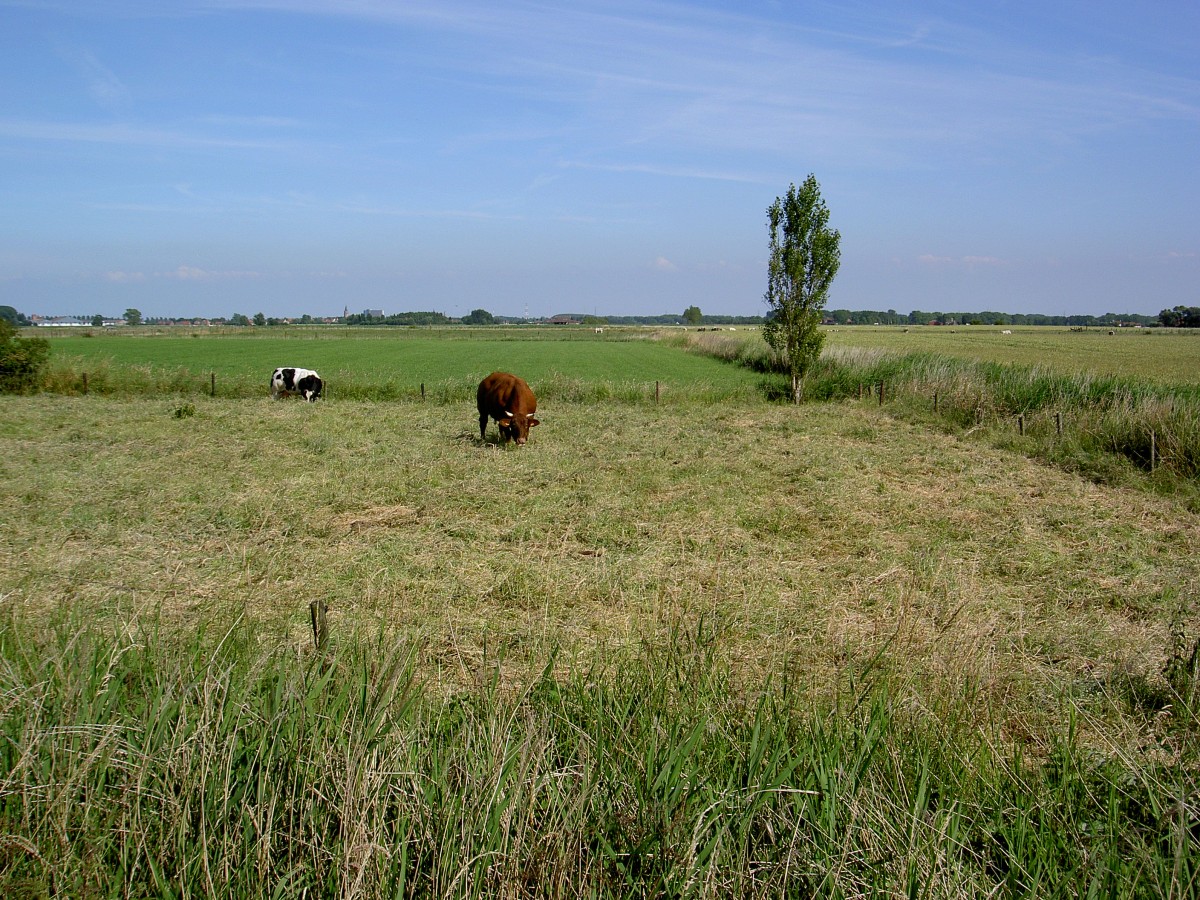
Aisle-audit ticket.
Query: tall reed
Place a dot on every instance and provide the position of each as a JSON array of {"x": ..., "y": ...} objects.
[{"x": 143, "y": 764}]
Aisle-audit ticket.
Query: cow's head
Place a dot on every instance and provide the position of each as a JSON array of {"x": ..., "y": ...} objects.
[{"x": 516, "y": 428}]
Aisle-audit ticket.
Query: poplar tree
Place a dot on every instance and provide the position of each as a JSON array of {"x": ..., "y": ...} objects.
[{"x": 804, "y": 258}]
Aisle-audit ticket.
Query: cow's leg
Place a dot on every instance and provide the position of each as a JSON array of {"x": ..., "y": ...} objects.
[{"x": 482, "y": 425}]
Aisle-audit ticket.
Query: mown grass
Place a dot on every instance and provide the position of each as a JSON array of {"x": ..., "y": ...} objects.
[
  {"x": 1106, "y": 426},
  {"x": 742, "y": 649}
]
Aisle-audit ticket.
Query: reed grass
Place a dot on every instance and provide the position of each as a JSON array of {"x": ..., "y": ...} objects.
[{"x": 138, "y": 763}]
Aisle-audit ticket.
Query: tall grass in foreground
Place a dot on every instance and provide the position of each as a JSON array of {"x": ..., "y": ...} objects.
[
  {"x": 135, "y": 763},
  {"x": 1105, "y": 420}
]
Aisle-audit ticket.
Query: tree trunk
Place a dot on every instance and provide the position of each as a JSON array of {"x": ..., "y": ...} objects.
[{"x": 797, "y": 388}]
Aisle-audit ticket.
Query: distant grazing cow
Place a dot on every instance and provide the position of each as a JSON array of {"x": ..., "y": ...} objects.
[
  {"x": 305, "y": 383},
  {"x": 508, "y": 400},
  {"x": 599, "y": 331},
  {"x": 1006, "y": 331}
]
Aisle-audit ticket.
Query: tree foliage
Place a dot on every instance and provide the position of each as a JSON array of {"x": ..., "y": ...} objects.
[
  {"x": 693, "y": 316},
  {"x": 10, "y": 315},
  {"x": 804, "y": 258},
  {"x": 405, "y": 318},
  {"x": 133, "y": 316},
  {"x": 22, "y": 360},
  {"x": 1181, "y": 317},
  {"x": 479, "y": 317}
]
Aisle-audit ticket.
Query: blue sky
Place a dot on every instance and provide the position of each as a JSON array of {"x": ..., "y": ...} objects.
[{"x": 208, "y": 157}]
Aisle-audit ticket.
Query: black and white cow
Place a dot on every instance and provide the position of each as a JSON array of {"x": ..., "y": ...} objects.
[{"x": 302, "y": 382}]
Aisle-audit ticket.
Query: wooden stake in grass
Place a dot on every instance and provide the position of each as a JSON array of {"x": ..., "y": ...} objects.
[
  {"x": 1058, "y": 424},
  {"x": 1153, "y": 448},
  {"x": 1021, "y": 425},
  {"x": 213, "y": 391},
  {"x": 317, "y": 610},
  {"x": 85, "y": 382}
]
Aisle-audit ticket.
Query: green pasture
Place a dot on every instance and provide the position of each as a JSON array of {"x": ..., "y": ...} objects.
[
  {"x": 405, "y": 357},
  {"x": 1162, "y": 355},
  {"x": 394, "y": 363}
]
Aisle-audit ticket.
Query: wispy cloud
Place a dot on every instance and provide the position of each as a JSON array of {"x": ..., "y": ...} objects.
[
  {"x": 970, "y": 262},
  {"x": 671, "y": 171},
  {"x": 665, "y": 75},
  {"x": 100, "y": 82},
  {"x": 195, "y": 273},
  {"x": 130, "y": 135},
  {"x": 182, "y": 273}
]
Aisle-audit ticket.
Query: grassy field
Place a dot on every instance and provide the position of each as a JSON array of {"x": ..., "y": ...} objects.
[
  {"x": 730, "y": 649},
  {"x": 1163, "y": 355},
  {"x": 1110, "y": 427},
  {"x": 388, "y": 364}
]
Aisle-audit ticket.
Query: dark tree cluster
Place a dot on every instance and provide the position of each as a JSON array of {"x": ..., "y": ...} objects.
[
  {"x": 1180, "y": 317},
  {"x": 406, "y": 318},
  {"x": 12, "y": 317},
  {"x": 479, "y": 317}
]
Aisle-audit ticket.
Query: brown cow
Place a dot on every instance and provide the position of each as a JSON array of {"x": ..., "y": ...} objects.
[{"x": 508, "y": 400}]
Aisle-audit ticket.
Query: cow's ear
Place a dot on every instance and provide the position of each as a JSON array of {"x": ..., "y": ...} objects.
[
  {"x": 504, "y": 423},
  {"x": 532, "y": 422}
]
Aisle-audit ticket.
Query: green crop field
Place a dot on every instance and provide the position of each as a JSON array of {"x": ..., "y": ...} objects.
[
  {"x": 717, "y": 648},
  {"x": 390, "y": 363},
  {"x": 1164, "y": 355}
]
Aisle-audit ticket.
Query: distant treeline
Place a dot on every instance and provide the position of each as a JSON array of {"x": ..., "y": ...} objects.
[
  {"x": 1178, "y": 317},
  {"x": 917, "y": 317},
  {"x": 405, "y": 318}
]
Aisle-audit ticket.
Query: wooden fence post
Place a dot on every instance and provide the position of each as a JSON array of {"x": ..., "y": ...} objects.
[
  {"x": 422, "y": 390},
  {"x": 1058, "y": 424},
  {"x": 317, "y": 610},
  {"x": 1021, "y": 425},
  {"x": 1153, "y": 448},
  {"x": 881, "y": 393},
  {"x": 85, "y": 382},
  {"x": 213, "y": 392},
  {"x": 657, "y": 391},
  {"x": 935, "y": 401},
  {"x": 860, "y": 390}
]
